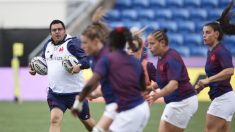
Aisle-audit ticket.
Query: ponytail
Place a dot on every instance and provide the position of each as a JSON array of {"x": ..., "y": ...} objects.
[
  {"x": 222, "y": 24},
  {"x": 224, "y": 20},
  {"x": 120, "y": 36}
]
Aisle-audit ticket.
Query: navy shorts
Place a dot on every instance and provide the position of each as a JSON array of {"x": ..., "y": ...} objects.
[{"x": 65, "y": 101}]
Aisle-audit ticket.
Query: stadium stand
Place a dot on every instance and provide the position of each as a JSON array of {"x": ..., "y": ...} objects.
[{"x": 183, "y": 18}]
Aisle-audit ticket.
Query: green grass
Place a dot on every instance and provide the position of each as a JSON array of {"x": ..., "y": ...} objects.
[{"x": 34, "y": 117}]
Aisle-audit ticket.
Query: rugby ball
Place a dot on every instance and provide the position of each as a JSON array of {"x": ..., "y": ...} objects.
[
  {"x": 68, "y": 63},
  {"x": 39, "y": 65}
]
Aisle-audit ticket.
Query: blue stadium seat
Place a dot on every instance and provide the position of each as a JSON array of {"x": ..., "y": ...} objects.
[
  {"x": 146, "y": 14},
  {"x": 115, "y": 24},
  {"x": 152, "y": 26},
  {"x": 192, "y": 3},
  {"x": 174, "y": 3},
  {"x": 113, "y": 15},
  {"x": 123, "y": 4},
  {"x": 183, "y": 50},
  {"x": 199, "y": 51},
  {"x": 209, "y": 3},
  {"x": 199, "y": 26},
  {"x": 186, "y": 27},
  {"x": 199, "y": 14},
  {"x": 157, "y": 3},
  {"x": 176, "y": 39},
  {"x": 131, "y": 24},
  {"x": 232, "y": 51},
  {"x": 215, "y": 14},
  {"x": 170, "y": 25},
  {"x": 195, "y": 39},
  {"x": 140, "y": 3},
  {"x": 223, "y": 3},
  {"x": 129, "y": 14},
  {"x": 229, "y": 39},
  {"x": 180, "y": 14},
  {"x": 164, "y": 14}
]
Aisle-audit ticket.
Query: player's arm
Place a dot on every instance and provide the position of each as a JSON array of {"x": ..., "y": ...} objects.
[
  {"x": 74, "y": 47},
  {"x": 225, "y": 60},
  {"x": 95, "y": 93},
  {"x": 223, "y": 75}
]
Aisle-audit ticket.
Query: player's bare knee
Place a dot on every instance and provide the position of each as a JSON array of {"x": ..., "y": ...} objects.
[{"x": 56, "y": 120}]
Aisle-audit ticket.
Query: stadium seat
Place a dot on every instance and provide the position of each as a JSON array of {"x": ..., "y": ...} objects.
[
  {"x": 176, "y": 39},
  {"x": 174, "y": 3},
  {"x": 170, "y": 25},
  {"x": 146, "y": 14},
  {"x": 157, "y": 4},
  {"x": 199, "y": 14},
  {"x": 164, "y": 14},
  {"x": 215, "y": 14},
  {"x": 123, "y": 4},
  {"x": 186, "y": 27},
  {"x": 223, "y": 3},
  {"x": 183, "y": 50},
  {"x": 140, "y": 3},
  {"x": 195, "y": 39},
  {"x": 199, "y": 26},
  {"x": 131, "y": 24},
  {"x": 113, "y": 15},
  {"x": 152, "y": 26},
  {"x": 232, "y": 51},
  {"x": 129, "y": 14},
  {"x": 209, "y": 4},
  {"x": 192, "y": 3},
  {"x": 199, "y": 51},
  {"x": 180, "y": 14},
  {"x": 229, "y": 39},
  {"x": 115, "y": 24}
]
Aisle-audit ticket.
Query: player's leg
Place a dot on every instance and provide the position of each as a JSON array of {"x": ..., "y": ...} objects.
[
  {"x": 56, "y": 119},
  {"x": 107, "y": 118},
  {"x": 85, "y": 117},
  {"x": 214, "y": 124},
  {"x": 167, "y": 127},
  {"x": 57, "y": 108},
  {"x": 227, "y": 127}
]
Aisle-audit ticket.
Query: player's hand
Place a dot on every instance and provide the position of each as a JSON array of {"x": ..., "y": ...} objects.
[
  {"x": 31, "y": 70},
  {"x": 198, "y": 88},
  {"x": 203, "y": 82},
  {"x": 76, "y": 69},
  {"x": 152, "y": 97},
  {"x": 77, "y": 107},
  {"x": 92, "y": 96}
]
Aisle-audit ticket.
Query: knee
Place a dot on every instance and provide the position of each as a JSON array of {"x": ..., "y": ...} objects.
[{"x": 56, "y": 120}]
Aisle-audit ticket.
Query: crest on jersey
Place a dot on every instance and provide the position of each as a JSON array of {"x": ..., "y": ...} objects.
[
  {"x": 212, "y": 57},
  {"x": 61, "y": 49},
  {"x": 161, "y": 68}
]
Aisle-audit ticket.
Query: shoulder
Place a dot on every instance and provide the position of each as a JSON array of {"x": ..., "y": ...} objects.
[{"x": 222, "y": 51}]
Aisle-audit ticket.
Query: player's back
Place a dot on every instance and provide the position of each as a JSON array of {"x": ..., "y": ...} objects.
[{"x": 124, "y": 75}]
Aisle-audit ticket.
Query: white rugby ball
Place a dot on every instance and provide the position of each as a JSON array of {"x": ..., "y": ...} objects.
[
  {"x": 39, "y": 64},
  {"x": 68, "y": 63}
]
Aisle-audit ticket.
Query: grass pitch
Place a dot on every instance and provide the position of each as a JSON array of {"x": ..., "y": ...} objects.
[{"x": 34, "y": 117}]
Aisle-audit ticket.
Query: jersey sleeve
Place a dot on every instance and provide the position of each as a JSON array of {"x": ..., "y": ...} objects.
[
  {"x": 74, "y": 47},
  {"x": 44, "y": 48},
  {"x": 225, "y": 59},
  {"x": 101, "y": 68},
  {"x": 151, "y": 71},
  {"x": 174, "y": 68}
]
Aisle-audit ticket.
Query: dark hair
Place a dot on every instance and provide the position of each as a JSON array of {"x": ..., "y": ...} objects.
[
  {"x": 119, "y": 36},
  {"x": 97, "y": 30},
  {"x": 223, "y": 25},
  {"x": 161, "y": 35},
  {"x": 56, "y": 22}
]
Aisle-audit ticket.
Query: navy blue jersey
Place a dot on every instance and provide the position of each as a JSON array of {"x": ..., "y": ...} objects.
[
  {"x": 123, "y": 73},
  {"x": 171, "y": 67},
  {"x": 217, "y": 60},
  {"x": 106, "y": 89}
]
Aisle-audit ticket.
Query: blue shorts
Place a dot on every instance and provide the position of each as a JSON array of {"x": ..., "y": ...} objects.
[{"x": 65, "y": 102}]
